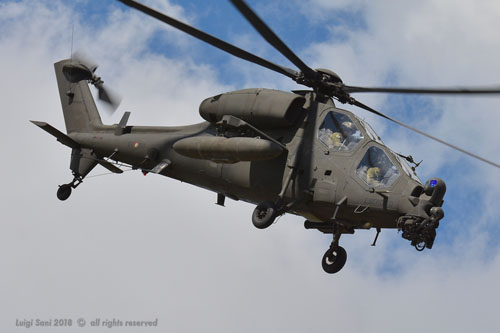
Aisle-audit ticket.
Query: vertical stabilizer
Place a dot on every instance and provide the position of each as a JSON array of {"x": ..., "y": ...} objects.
[{"x": 80, "y": 111}]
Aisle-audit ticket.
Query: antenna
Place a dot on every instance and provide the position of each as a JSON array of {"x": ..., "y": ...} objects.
[
  {"x": 70, "y": 92},
  {"x": 72, "y": 34}
]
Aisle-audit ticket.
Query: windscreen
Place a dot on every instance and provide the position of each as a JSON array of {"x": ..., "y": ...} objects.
[
  {"x": 338, "y": 132},
  {"x": 376, "y": 168}
]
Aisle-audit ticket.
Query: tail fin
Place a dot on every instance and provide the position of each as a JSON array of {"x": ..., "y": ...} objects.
[{"x": 79, "y": 109}]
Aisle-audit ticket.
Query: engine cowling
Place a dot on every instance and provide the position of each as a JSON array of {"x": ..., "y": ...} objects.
[{"x": 259, "y": 107}]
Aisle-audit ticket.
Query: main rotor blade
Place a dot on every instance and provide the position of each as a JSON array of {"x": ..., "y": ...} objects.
[
  {"x": 363, "y": 106},
  {"x": 435, "y": 91},
  {"x": 272, "y": 38},
  {"x": 214, "y": 41}
]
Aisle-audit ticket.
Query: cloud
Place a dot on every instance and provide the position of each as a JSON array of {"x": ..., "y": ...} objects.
[{"x": 137, "y": 248}]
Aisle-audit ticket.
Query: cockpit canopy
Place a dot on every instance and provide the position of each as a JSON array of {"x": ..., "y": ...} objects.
[
  {"x": 343, "y": 132},
  {"x": 339, "y": 132},
  {"x": 376, "y": 168}
]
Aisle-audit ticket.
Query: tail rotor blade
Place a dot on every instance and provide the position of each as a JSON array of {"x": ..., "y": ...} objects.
[{"x": 110, "y": 97}]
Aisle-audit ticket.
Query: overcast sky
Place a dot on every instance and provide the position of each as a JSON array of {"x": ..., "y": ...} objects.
[{"x": 139, "y": 248}]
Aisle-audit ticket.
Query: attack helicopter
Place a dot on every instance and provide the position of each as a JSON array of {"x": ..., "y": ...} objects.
[{"x": 286, "y": 152}]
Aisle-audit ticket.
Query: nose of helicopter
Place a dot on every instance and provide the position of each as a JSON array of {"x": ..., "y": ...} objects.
[{"x": 422, "y": 215}]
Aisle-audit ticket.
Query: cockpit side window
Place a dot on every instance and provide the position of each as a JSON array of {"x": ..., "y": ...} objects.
[
  {"x": 370, "y": 131},
  {"x": 376, "y": 168},
  {"x": 339, "y": 132}
]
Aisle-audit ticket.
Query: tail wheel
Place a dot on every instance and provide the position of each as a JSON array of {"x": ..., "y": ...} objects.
[
  {"x": 64, "y": 192},
  {"x": 263, "y": 215},
  {"x": 334, "y": 259}
]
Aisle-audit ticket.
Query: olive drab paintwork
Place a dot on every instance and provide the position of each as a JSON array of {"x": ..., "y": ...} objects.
[
  {"x": 287, "y": 152},
  {"x": 264, "y": 108},
  {"x": 227, "y": 150}
]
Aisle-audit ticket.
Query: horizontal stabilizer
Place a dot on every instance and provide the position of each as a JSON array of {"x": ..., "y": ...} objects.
[
  {"x": 60, "y": 136},
  {"x": 110, "y": 166}
]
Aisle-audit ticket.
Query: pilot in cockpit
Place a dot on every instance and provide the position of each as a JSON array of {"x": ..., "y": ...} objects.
[
  {"x": 349, "y": 130},
  {"x": 339, "y": 133},
  {"x": 344, "y": 139},
  {"x": 377, "y": 169}
]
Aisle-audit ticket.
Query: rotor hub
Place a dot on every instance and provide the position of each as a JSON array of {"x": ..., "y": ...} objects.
[{"x": 329, "y": 76}]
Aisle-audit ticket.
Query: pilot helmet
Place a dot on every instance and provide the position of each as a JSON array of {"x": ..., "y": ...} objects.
[{"x": 348, "y": 127}]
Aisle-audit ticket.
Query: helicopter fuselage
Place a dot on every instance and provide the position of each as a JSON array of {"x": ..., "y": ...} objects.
[
  {"x": 325, "y": 186},
  {"x": 287, "y": 152}
]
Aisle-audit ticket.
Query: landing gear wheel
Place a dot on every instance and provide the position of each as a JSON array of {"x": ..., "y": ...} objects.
[
  {"x": 263, "y": 215},
  {"x": 420, "y": 246},
  {"x": 64, "y": 192},
  {"x": 334, "y": 259}
]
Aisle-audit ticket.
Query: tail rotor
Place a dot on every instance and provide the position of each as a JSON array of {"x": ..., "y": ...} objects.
[{"x": 82, "y": 68}]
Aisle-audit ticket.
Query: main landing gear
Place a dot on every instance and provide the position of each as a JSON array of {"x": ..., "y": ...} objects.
[
  {"x": 335, "y": 257},
  {"x": 264, "y": 215},
  {"x": 266, "y": 212},
  {"x": 64, "y": 190}
]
